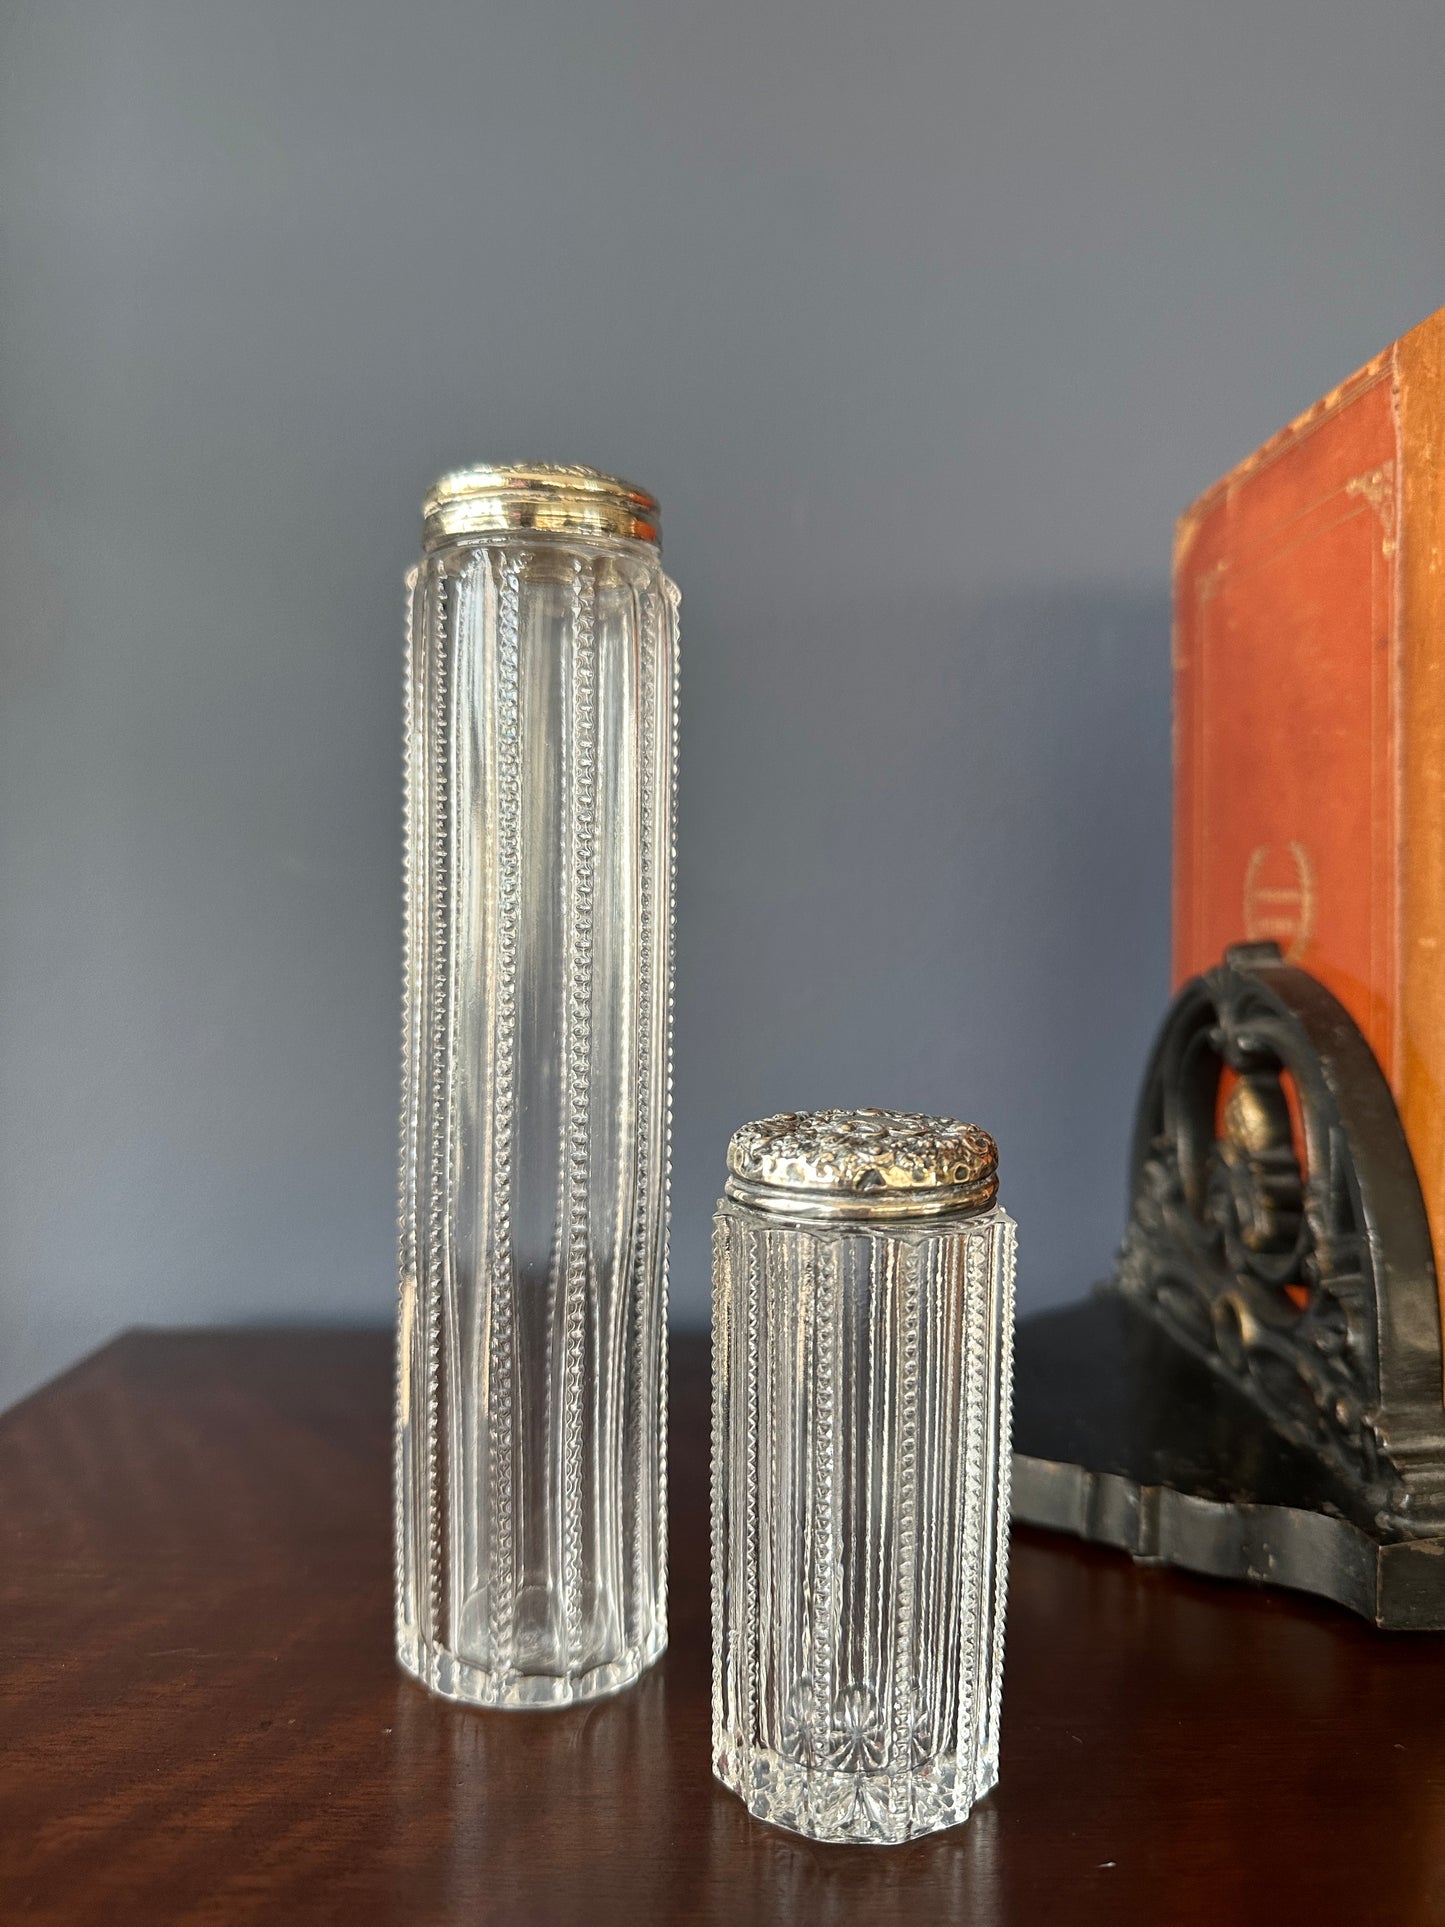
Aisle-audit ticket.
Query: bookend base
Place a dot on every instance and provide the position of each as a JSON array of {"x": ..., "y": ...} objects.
[{"x": 1256, "y": 1394}]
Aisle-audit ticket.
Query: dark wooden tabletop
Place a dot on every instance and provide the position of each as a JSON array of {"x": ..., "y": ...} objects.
[{"x": 201, "y": 1720}]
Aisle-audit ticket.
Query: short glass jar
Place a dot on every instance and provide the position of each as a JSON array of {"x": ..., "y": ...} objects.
[{"x": 862, "y": 1339}]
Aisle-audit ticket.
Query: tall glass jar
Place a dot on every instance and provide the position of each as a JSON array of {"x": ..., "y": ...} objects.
[
  {"x": 862, "y": 1328},
  {"x": 540, "y": 732}
]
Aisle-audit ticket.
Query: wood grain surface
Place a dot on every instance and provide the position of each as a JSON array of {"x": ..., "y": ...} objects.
[{"x": 201, "y": 1719}]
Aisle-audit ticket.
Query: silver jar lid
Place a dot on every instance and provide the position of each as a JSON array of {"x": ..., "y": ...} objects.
[
  {"x": 543, "y": 496},
  {"x": 862, "y": 1164}
]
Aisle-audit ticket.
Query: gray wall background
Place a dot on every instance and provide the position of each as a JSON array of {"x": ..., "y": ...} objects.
[{"x": 923, "y": 320}]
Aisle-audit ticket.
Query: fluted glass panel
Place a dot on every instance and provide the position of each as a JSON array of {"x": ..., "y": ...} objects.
[
  {"x": 530, "y": 1529},
  {"x": 860, "y": 1514}
]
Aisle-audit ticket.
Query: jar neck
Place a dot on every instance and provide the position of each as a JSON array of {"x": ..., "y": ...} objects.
[{"x": 871, "y": 1210}]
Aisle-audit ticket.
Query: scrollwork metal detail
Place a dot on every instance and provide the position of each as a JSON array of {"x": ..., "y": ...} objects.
[{"x": 1277, "y": 1226}]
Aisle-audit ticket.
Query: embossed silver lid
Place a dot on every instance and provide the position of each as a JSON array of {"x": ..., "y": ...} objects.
[{"x": 862, "y": 1164}]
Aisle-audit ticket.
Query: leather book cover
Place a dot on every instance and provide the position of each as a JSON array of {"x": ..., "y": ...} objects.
[{"x": 1309, "y": 718}]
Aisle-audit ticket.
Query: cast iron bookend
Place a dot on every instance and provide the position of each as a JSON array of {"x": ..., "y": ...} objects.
[{"x": 1256, "y": 1394}]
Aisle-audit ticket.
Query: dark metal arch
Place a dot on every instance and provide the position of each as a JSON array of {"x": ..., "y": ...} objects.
[{"x": 1308, "y": 1280}]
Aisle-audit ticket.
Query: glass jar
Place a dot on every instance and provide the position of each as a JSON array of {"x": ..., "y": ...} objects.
[
  {"x": 862, "y": 1337},
  {"x": 540, "y": 731}
]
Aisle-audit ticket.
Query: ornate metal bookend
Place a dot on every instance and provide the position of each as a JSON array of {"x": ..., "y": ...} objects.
[{"x": 1257, "y": 1392}]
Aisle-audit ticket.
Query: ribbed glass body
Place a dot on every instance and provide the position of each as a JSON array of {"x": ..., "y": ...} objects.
[
  {"x": 861, "y": 1398},
  {"x": 530, "y": 1494}
]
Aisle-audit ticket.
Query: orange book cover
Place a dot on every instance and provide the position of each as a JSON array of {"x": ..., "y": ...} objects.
[{"x": 1309, "y": 718}]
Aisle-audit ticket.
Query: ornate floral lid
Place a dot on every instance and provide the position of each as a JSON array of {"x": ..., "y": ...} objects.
[{"x": 862, "y": 1164}]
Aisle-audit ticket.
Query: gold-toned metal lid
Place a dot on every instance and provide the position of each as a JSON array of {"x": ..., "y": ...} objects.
[
  {"x": 536, "y": 495},
  {"x": 862, "y": 1164}
]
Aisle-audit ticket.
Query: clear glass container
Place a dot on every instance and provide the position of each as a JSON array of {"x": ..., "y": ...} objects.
[
  {"x": 540, "y": 731},
  {"x": 862, "y": 1339}
]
